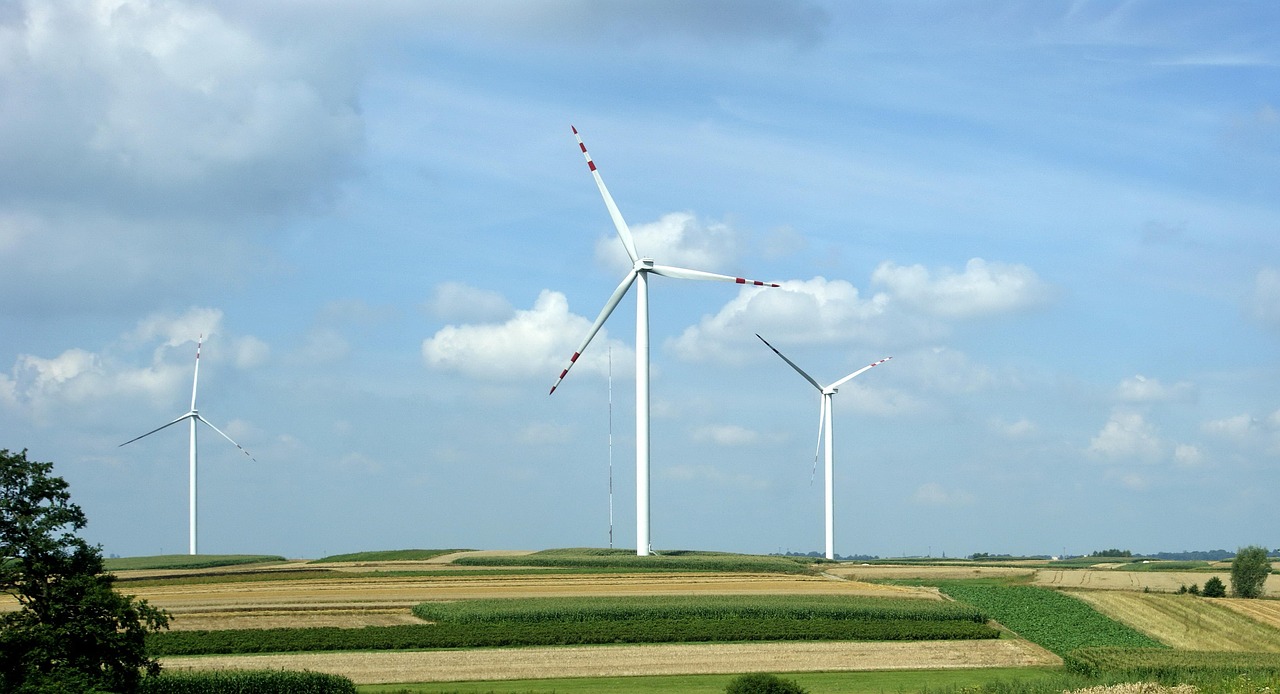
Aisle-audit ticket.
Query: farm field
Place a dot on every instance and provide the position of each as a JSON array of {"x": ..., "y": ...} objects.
[
  {"x": 364, "y": 601},
  {"x": 615, "y": 661},
  {"x": 1188, "y": 622}
]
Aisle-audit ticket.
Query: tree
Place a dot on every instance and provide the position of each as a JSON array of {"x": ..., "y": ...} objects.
[
  {"x": 1249, "y": 572},
  {"x": 73, "y": 631},
  {"x": 1213, "y": 588}
]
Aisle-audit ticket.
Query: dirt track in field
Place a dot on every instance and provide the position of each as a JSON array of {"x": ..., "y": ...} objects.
[{"x": 621, "y": 661}]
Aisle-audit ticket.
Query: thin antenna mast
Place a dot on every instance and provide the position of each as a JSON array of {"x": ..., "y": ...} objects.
[{"x": 610, "y": 447}]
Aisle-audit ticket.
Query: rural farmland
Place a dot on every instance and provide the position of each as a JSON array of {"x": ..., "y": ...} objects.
[{"x": 275, "y": 614}]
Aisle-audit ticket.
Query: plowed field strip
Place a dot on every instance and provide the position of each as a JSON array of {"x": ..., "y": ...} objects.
[
  {"x": 621, "y": 661},
  {"x": 1185, "y": 621}
]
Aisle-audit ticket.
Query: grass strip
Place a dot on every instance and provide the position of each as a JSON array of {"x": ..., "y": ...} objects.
[
  {"x": 1054, "y": 620},
  {"x": 187, "y": 561}
]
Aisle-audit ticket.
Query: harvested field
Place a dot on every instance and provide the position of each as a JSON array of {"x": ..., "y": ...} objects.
[
  {"x": 1185, "y": 621},
  {"x": 617, "y": 661},
  {"x": 1157, "y": 581},
  {"x": 366, "y": 601},
  {"x": 1265, "y": 611}
]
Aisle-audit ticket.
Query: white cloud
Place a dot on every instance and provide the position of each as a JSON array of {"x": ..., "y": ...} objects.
[
  {"x": 533, "y": 343},
  {"x": 1127, "y": 437},
  {"x": 180, "y": 329},
  {"x": 726, "y": 435},
  {"x": 984, "y": 288},
  {"x": 815, "y": 311},
  {"x": 1141, "y": 389},
  {"x": 1236, "y": 428},
  {"x": 1187, "y": 455},
  {"x": 455, "y": 301},
  {"x": 934, "y": 494},
  {"x": 676, "y": 239}
]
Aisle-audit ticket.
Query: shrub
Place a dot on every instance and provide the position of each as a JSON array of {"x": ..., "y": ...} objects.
[
  {"x": 1214, "y": 588},
  {"x": 760, "y": 683}
]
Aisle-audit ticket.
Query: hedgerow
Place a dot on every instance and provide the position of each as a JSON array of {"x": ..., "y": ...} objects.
[{"x": 247, "y": 682}]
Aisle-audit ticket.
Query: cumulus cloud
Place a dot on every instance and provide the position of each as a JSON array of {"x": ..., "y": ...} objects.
[
  {"x": 1140, "y": 389},
  {"x": 983, "y": 289},
  {"x": 1187, "y": 455},
  {"x": 178, "y": 329},
  {"x": 712, "y": 475},
  {"x": 1127, "y": 437},
  {"x": 161, "y": 103},
  {"x": 132, "y": 131},
  {"x": 533, "y": 343},
  {"x": 678, "y": 239},
  {"x": 815, "y": 311}
]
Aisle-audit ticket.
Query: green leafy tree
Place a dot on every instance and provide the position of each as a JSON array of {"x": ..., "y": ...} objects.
[
  {"x": 1214, "y": 588},
  {"x": 1249, "y": 572},
  {"x": 760, "y": 683},
  {"x": 73, "y": 631}
]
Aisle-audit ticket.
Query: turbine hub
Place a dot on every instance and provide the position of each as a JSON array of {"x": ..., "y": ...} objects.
[{"x": 643, "y": 264}]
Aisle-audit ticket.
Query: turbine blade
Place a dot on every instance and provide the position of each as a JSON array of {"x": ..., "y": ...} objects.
[
  {"x": 837, "y": 384},
  {"x": 624, "y": 232},
  {"x": 686, "y": 274},
  {"x": 195, "y": 380},
  {"x": 242, "y": 450},
  {"x": 822, "y": 418},
  {"x": 179, "y": 419},
  {"x": 799, "y": 370},
  {"x": 611, "y": 304}
]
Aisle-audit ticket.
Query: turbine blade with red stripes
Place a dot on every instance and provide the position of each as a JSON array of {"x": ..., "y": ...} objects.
[
  {"x": 687, "y": 274},
  {"x": 624, "y": 232},
  {"x": 611, "y": 304},
  {"x": 837, "y": 384}
]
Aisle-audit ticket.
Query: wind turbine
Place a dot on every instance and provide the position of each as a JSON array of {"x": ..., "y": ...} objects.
[
  {"x": 192, "y": 417},
  {"x": 825, "y": 431},
  {"x": 641, "y": 268}
]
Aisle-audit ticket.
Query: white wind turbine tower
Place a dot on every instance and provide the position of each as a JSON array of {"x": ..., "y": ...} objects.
[
  {"x": 825, "y": 431},
  {"x": 639, "y": 273},
  {"x": 192, "y": 417}
]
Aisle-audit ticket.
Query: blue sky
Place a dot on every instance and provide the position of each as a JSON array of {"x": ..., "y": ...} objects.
[{"x": 1062, "y": 220}]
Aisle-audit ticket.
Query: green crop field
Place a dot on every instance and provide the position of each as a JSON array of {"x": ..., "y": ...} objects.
[
  {"x": 574, "y": 621},
  {"x": 1056, "y": 621}
]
